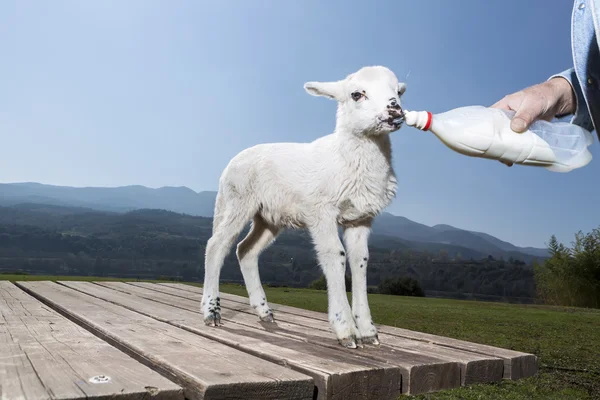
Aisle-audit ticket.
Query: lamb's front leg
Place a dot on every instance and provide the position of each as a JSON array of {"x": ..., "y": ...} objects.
[
  {"x": 332, "y": 258},
  {"x": 356, "y": 239}
]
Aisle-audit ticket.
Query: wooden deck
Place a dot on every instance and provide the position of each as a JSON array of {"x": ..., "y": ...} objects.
[{"x": 84, "y": 340}]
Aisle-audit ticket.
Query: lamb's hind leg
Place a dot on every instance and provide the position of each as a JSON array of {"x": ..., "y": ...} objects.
[
  {"x": 258, "y": 239},
  {"x": 356, "y": 240},
  {"x": 332, "y": 258},
  {"x": 228, "y": 225}
]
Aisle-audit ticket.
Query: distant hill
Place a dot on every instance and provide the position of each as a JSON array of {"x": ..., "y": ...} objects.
[
  {"x": 90, "y": 222},
  {"x": 387, "y": 227},
  {"x": 404, "y": 228},
  {"x": 158, "y": 244},
  {"x": 118, "y": 199},
  {"x": 501, "y": 244}
]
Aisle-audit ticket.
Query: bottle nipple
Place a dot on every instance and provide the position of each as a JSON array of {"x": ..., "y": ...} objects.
[{"x": 418, "y": 119}]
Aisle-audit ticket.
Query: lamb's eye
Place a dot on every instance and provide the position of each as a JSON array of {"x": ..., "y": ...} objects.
[{"x": 356, "y": 96}]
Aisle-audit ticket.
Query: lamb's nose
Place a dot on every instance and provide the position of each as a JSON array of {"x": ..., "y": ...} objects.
[
  {"x": 394, "y": 109},
  {"x": 393, "y": 104}
]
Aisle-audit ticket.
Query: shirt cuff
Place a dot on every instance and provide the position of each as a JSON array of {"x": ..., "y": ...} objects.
[{"x": 581, "y": 117}]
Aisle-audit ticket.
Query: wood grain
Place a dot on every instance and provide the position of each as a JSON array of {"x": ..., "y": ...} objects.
[
  {"x": 420, "y": 372},
  {"x": 325, "y": 360},
  {"x": 45, "y": 356},
  {"x": 204, "y": 368},
  {"x": 517, "y": 365},
  {"x": 337, "y": 373},
  {"x": 475, "y": 368}
]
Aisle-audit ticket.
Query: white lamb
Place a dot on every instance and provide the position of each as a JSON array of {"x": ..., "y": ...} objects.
[{"x": 342, "y": 179}]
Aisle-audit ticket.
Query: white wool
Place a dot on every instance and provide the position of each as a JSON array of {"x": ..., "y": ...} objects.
[{"x": 342, "y": 179}]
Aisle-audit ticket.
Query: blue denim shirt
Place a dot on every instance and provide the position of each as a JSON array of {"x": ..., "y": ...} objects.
[{"x": 584, "y": 76}]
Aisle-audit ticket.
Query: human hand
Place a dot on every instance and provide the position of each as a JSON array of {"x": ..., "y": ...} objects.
[{"x": 542, "y": 101}]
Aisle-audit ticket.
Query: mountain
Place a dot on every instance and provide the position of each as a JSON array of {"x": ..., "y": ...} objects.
[
  {"x": 501, "y": 244},
  {"x": 404, "y": 228},
  {"x": 158, "y": 244},
  {"x": 118, "y": 199},
  {"x": 387, "y": 228}
]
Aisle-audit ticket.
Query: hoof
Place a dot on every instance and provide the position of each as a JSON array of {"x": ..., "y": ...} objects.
[
  {"x": 348, "y": 343},
  {"x": 268, "y": 318},
  {"x": 213, "y": 319},
  {"x": 374, "y": 340}
]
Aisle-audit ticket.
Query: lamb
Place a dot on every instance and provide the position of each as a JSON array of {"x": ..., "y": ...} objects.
[{"x": 343, "y": 179}]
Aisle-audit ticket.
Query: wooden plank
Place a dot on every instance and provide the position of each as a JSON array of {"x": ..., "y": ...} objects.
[
  {"x": 337, "y": 374},
  {"x": 178, "y": 290},
  {"x": 420, "y": 371},
  {"x": 475, "y": 368},
  {"x": 204, "y": 368},
  {"x": 517, "y": 365},
  {"x": 182, "y": 286},
  {"x": 45, "y": 356}
]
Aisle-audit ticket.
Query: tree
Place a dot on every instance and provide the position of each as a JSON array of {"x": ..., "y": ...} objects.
[
  {"x": 571, "y": 276},
  {"x": 443, "y": 255},
  {"x": 401, "y": 287},
  {"x": 321, "y": 283}
]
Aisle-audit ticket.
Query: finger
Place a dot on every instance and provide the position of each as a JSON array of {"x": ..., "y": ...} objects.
[
  {"x": 502, "y": 104},
  {"x": 528, "y": 112},
  {"x": 510, "y": 102}
]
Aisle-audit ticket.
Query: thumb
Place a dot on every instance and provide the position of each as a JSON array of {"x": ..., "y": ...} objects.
[{"x": 523, "y": 118}]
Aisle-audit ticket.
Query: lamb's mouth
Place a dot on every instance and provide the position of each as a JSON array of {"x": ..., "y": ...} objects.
[
  {"x": 396, "y": 119},
  {"x": 395, "y": 122}
]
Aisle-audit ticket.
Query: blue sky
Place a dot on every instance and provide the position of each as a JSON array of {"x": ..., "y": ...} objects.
[{"x": 158, "y": 93}]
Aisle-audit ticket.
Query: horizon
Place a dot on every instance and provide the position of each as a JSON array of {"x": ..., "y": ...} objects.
[
  {"x": 212, "y": 191},
  {"x": 141, "y": 93}
]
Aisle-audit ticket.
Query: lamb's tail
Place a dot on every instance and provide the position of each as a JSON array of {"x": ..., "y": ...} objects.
[{"x": 234, "y": 196}]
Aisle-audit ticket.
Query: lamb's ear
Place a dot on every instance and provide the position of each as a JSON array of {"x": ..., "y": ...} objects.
[
  {"x": 401, "y": 88},
  {"x": 333, "y": 90}
]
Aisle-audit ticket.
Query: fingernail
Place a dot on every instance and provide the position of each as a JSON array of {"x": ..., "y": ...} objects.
[{"x": 518, "y": 125}]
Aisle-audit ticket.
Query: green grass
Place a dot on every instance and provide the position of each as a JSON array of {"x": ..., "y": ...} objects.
[{"x": 566, "y": 340}]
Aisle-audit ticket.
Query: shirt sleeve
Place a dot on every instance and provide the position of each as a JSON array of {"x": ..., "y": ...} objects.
[{"x": 581, "y": 117}]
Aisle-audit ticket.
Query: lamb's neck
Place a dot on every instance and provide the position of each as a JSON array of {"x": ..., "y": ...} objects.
[{"x": 370, "y": 149}]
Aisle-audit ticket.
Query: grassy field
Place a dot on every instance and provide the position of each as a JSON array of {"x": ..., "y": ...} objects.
[{"x": 566, "y": 340}]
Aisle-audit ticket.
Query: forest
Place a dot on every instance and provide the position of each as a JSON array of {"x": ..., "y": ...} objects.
[
  {"x": 152, "y": 244},
  {"x": 571, "y": 277}
]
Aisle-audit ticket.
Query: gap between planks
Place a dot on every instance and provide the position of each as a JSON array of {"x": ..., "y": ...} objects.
[
  {"x": 420, "y": 373},
  {"x": 475, "y": 368},
  {"x": 517, "y": 365},
  {"x": 44, "y": 355},
  {"x": 338, "y": 375},
  {"x": 204, "y": 368}
]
